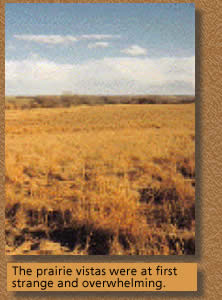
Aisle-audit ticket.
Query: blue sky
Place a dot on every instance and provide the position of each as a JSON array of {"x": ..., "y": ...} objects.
[{"x": 100, "y": 48}]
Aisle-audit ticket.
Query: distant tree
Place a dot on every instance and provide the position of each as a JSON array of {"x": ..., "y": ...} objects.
[{"x": 67, "y": 93}]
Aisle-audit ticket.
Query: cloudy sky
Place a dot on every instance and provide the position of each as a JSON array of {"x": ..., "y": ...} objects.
[{"x": 99, "y": 48}]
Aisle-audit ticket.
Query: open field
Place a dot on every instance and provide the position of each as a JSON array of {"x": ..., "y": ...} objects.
[{"x": 108, "y": 179}]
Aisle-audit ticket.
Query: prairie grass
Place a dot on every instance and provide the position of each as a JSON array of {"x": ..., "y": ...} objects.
[{"x": 112, "y": 179}]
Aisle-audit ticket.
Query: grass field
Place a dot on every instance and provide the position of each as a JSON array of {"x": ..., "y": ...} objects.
[{"x": 110, "y": 179}]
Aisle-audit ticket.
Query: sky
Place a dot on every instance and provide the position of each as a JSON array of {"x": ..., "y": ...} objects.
[{"x": 99, "y": 48}]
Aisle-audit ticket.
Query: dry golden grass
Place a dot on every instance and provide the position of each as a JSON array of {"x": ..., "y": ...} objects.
[{"x": 113, "y": 179}]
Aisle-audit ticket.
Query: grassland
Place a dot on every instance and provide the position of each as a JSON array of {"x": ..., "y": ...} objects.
[{"x": 109, "y": 179}]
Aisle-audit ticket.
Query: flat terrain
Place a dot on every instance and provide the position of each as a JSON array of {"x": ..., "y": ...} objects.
[{"x": 110, "y": 179}]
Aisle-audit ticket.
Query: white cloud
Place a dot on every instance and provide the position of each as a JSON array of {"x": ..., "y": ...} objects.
[
  {"x": 120, "y": 75},
  {"x": 98, "y": 45},
  {"x": 47, "y": 39},
  {"x": 99, "y": 36},
  {"x": 62, "y": 39},
  {"x": 135, "y": 50}
]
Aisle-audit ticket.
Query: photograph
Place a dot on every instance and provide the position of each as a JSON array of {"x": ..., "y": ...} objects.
[{"x": 100, "y": 129}]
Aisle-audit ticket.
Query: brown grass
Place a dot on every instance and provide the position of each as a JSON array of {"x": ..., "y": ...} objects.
[{"x": 113, "y": 179}]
